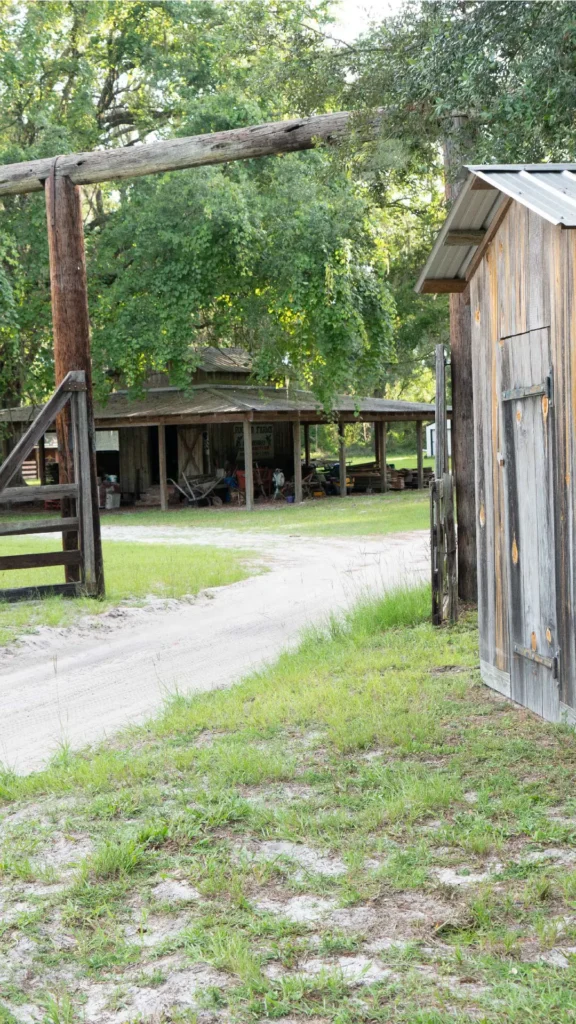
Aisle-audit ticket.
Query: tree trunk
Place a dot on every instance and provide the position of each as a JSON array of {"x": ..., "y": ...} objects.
[
  {"x": 463, "y": 443},
  {"x": 71, "y": 341},
  {"x": 462, "y": 393}
]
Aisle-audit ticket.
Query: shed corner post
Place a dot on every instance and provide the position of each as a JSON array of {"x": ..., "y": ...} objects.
[
  {"x": 71, "y": 328},
  {"x": 248, "y": 464},
  {"x": 342, "y": 455},
  {"x": 297, "y": 441},
  {"x": 419, "y": 455},
  {"x": 162, "y": 467}
]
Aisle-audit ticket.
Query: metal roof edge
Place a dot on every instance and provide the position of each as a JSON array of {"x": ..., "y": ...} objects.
[{"x": 444, "y": 231}]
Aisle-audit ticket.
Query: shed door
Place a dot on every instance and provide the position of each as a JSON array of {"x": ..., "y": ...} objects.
[{"x": 528, "y": 431}]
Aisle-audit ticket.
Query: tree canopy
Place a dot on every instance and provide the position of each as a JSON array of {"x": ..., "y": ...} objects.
[
  {"x": 277, "y": 255},
  {"x": 307, "y": 260}
]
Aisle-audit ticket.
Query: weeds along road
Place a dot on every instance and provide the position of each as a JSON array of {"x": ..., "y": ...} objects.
[{"x": 77, "y": 685}]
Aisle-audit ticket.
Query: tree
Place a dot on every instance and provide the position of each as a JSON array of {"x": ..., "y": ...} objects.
[{"x": 279, "y": 256}]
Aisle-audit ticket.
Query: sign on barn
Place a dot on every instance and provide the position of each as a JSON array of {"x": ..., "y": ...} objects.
[{"x": 262, "y": 440}]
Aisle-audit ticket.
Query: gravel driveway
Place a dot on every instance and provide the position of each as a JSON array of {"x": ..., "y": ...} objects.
[{"x": 79, "y": 684}]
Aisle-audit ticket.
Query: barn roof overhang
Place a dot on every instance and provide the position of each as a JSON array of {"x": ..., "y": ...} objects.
[
  {"x": 547, "y": 189},
  {"x": 204, "y": 404}
]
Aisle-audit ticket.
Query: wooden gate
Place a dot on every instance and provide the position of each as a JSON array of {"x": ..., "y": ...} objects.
[
  {"x": 527, "y": 404},
  {"x": 73, "y": 390}
]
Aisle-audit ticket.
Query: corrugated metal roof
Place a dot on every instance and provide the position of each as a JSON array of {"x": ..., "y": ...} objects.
[
  {"x": 228, "y": 400},
  {"x": 547, "y": 189}
]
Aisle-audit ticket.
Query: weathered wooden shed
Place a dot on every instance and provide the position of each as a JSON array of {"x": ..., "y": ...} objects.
[{"x": 509, "y": 237}]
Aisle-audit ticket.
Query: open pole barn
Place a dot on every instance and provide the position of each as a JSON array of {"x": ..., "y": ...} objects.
[
  {"x": 510, "y": 237},
  {"x": 60, "y": 178}
]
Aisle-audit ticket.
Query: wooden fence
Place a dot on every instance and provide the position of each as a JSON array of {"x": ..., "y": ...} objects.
[
  {"x": 72, "y": 390},
  {"x": 442, "y": 522}
]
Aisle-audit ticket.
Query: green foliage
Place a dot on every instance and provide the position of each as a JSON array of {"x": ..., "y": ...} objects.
[{"x": 277, "y": 255}]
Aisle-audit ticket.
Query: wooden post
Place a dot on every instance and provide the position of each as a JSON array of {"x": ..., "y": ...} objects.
[
  {"x": 71, "y": 330},
  {"x": 297, "y": 442},
  {"x": 307, "y": 443},
  {"x": 441, "y": 434},
  {"x": 162, "y": 467},
  {"x": 83, "y": 478},
  {"x": 462, "y": 434},
  {"x": 382, "y": 449},
  {"x": 342, "y": 453},
  {"x": 248, "y": 465},
  {"x": 376, "y": 444},
  {"x": 42, "y": 460},
  {"x": 419, "y": 455},
  {"x": 462, "y": 438}
]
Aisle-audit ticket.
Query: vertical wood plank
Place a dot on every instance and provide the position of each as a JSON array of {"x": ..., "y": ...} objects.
[
  {"x": 248, "y": 465},
  {"x": 342, "y": 456},
  {"x": 84, "y": 480},
  {"x": 419, "y": 455},
  {"x": 297, "y": 447},
  {"x": 462, "y": 459},
  {"x": 71, "y": 328},
  {"x": 441, "y": 460},
  {"x": 162, "y": 467},
  {"x": 42, "y": 460}
]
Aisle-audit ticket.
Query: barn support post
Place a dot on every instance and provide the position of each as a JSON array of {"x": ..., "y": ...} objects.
[
  {"x": 297, "y": 441},
  {"x": 307, "y": 443},
  {"x": 71, "y": 329},
  {"x": 342, "y": 456},
  {"x": 419, "y": 455},
  {"x": 382, "y": 428},
  {"x": 162, "y": 467},
  {"x": 248, "y": 465},
  {"x": 42, "y": 460}
]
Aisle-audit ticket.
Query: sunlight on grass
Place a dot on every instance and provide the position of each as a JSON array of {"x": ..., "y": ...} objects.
[
  {"x": 133, "y": 572},
  {"x": 355, "y": 516},
  {"x": 374, "y": 750}
]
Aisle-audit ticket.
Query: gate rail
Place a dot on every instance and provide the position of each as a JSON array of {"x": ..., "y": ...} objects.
[{"x": 72, "y": 390}]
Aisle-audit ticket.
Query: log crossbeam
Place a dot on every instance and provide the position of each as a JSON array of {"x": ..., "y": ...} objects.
[{"x": 180, "y": 153}]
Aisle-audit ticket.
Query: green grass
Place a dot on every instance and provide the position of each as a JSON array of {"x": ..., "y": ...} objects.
[
  {"x": 375, "y": 746},
  {"x": 354, "y": 516},
  {"x": 133, "y": 571}
]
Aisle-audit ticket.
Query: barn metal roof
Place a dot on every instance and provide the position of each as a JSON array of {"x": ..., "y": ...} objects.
[
  {"x": 237, "y": 400},
  {"x": 547, "y": 189},
  {"x": 229, "y": 401}
]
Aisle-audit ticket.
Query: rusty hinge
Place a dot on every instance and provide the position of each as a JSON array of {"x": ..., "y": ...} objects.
[
  {"x": 532, "y": 391},
  {"x": 540, "y": 659}
]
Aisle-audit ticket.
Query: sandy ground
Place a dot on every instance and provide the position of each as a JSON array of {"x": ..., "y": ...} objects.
[{"x": 80, "y": 684}]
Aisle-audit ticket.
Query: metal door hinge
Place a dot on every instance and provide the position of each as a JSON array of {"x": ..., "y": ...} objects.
[{"x": 540, "y": 659}]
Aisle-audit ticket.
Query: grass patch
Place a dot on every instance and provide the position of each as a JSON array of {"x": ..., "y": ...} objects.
[
  {"x": 133, "y": 572},
  {"x": 363, "y": 805},
  {"x": 355, "y": 516}
]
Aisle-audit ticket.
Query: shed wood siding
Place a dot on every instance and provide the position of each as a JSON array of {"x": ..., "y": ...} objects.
[
  {"x": 135, "y": 463},
  {"x": 525, "y": 282}
]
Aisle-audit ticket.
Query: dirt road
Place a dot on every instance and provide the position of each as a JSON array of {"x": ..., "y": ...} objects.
[{"x": 78, "y": 685}]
